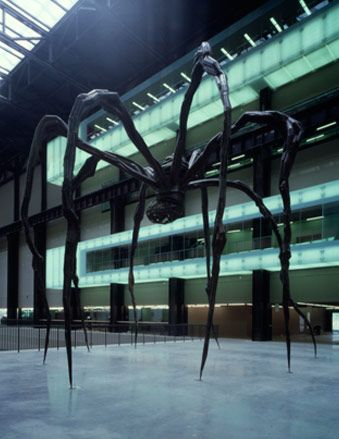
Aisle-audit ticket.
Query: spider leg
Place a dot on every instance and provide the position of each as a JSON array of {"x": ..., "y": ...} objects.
[
  {"x": 138, "y": 216},
  {"x": 79, "y": 308},
  {"x": 49, "y": 127},
  {"x": 203, "y": 62},
  {"x": 111, "y": 103},
  {"x": 70, "y": 184},
  {"x": 128, "y": 166},
  {"x": 196, "y": 76},
  {"x": 291, "y": 131},
  {"x": 219, "y": 232},
  {"x": 308, "y": 323},
  {"x": 198, "y": 164},
  {"x": 204, "y": 208},
  {"x": 236, "y": 184}
]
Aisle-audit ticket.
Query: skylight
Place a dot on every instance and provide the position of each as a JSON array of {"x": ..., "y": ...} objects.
[{"x": 23, "y": 24}]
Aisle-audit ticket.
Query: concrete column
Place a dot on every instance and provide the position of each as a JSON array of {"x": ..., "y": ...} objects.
[
  {"x": 117, "y": 303},
  {"x": 118, "y": 310},
  {"x": 12, "y": 274},
  {"x": 261, "y": 306},
  {"x": 177, "y": 313},
  {"x": 39, "y": 232}
]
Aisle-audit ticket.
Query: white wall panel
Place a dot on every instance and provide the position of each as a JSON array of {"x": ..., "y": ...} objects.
[
  {"x": 313, "y": 285},
  {"x": 53, "y": 195},
  {"x": 149, "y": 294},
  {"x": 54, "y": 298},
  {"x": 56, "y": 233},
  {"x": 231, "y": 289},
  {"x": 96, "y": 296},
  {"x": 95, "y": 223},
  {"x": 35, "y": 202}
]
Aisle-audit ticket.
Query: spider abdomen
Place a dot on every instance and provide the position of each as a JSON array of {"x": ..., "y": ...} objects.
[{"x": 166, "y": 208}]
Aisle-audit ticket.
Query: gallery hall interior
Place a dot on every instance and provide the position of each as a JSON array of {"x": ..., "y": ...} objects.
[{"x": 169, "y": 219}]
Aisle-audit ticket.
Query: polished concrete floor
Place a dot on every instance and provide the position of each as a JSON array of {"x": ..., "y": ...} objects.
[{"x": 153, "y": 392}]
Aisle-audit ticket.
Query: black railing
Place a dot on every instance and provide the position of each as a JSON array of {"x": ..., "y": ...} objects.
[{"x": 18, "y": 335}]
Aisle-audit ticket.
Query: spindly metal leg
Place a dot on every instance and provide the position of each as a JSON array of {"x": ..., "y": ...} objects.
[
  {"x": 219, "y": 233},
  {"x": 204, "y": 208},
  {"x": 111, "y": 103},
  {"x": 138, "y": 216},
  {"x": 48, "y": 128}
]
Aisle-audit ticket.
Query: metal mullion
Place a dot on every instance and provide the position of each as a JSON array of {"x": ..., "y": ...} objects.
[
  {"x": 19, "y": 35},
  {"x": 27, "y": 18},
  {"x": 9, "y": 49},
  {"x": 59, "y": 5}
]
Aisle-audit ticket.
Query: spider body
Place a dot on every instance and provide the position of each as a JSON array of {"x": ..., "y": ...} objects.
[
  {"x": 167, "y": 207},
  {"x": 168, "y": 181}
]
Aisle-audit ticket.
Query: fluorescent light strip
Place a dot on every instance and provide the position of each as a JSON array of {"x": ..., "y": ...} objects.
[
  {"x": 227, "y": 54},
  {"x": 323, "y": 127},
  {"x": 155, "y": 99},
  {"x": 235, "y": 165},
  {"x": 212, "y": 172},
  {"x": 241, "y": 156},
  {"x": 100, "y": 128},
  {"x": 234, "y": 231},
  {"x": 168, "y": 87},
  {"x": 314, "y": 218},
  {"x": 249, "y": 39},
  {"x": 313, "y": 139},
  {"x": 138, "y": 106},
  {"x": 185, "y": 76},
  {"x": 114, "y": 122},
  {"x": 276, "y": 24},
  {"x": 305, "y": 7},
  {"x": 319, "y": 305}
]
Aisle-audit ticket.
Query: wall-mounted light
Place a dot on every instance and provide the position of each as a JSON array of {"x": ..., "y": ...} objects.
[
  {"x": 237, "y": 157},
  {"x": 323, "y": 127},
  {"x": 168, "y": 87},
  {"x": 313, "y": 139},
  {"x": 138, "y": 106},
  {"x": 227, "y": 54},
  {"x": 114, "y": 122},
  {"x": 155, "y": 99},
  {"x": 100, "y": 128},
  {"x": 314, "y": 218},
  {"x": 185, "y": 76},
  {"x": 234, "y": 165},
  {"x": 305, "y": 7},
  {"x": 276, "y": 24},
  {"x": 249, "y": 39}
]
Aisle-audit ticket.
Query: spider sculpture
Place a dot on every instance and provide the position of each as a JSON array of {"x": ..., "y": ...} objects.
[{"x": 167, "y": 182}]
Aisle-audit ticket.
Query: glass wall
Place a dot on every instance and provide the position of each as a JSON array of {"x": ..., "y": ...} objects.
[{"x": 308, "y": 225}]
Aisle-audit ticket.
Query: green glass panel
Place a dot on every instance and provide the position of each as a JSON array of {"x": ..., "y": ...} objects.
[
  {"x": 270, "y": 56},
  {"x": 312, "y": 33},
  {"x": 321, "y": 254},
  {"x": 287, "y": 56},
  {"x": 291, "y": 46},
  {"x": 298, "y": 68},
  {"x": 278, "y": 78},
  {"x": 319, "y": 58}
]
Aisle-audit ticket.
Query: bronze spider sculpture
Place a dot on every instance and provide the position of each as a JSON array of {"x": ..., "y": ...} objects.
[{"x": 168, "y": 182}]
